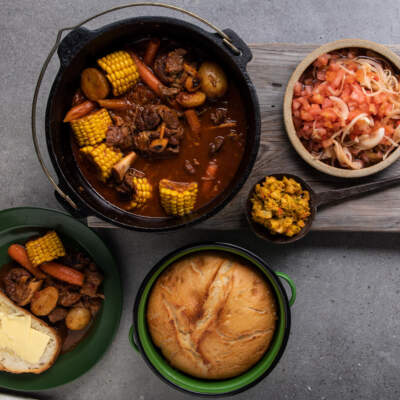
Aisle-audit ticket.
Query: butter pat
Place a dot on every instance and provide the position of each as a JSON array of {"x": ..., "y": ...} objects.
[{"x": 17, "y": 335}]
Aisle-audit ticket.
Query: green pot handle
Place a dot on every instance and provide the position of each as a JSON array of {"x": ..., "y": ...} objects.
[
  {"x": 291, "y": 284},
  {"x": 132, "y": 339}
]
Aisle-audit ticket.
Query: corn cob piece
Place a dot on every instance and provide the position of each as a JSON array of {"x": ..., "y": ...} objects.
[
  {"x": 177, "y": 198},
  {"x": 142, "y": 190},
  {"x": 46, "y": 248},
  {"x": 121, "y": 71},
  {"x": 103, "y": 157},
  {"x": 92, "y": 128}
]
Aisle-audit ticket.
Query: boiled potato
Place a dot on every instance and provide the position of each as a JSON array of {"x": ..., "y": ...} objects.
[
  {"x": 94, "y": 84},
  {"x": 77, "y": 318},
  {"x": 44, "y": 301},
  {"x": 213, "y": 80}
]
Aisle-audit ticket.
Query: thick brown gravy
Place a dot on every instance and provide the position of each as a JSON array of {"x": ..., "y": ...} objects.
[{"x": 192, "y": 147}]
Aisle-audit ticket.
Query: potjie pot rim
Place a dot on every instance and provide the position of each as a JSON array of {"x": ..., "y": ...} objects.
[{"x": 184, "y": 382}]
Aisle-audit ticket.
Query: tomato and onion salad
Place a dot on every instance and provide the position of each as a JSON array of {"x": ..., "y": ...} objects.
[{"x": 346, "y": 108}]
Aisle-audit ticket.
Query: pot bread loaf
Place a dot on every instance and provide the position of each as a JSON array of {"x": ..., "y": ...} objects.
[{"x": 212, "y": 316}]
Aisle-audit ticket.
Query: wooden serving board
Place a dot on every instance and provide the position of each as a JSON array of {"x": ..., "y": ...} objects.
[{"x": 270, "y": 69}]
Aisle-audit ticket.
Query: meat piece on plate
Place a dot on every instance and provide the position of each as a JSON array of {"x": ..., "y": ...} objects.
[
  {"x": 93, "y": 280},
  {"x": 20, "y": 286},
  {"x": 93, "y": 304},
  {"x": 58, "y": 314},
  {"x": 68, "y": 295}
]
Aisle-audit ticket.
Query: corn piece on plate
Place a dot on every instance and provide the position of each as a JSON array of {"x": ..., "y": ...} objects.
[{"x": 18, "y": 225}]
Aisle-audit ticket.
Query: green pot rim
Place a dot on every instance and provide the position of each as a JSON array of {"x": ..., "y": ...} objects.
[
  {"x": 188, "y": 383},
  {"x": 16, "y": 224}
]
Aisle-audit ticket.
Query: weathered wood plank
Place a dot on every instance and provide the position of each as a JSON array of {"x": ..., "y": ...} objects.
[{"x": 270, "y": 69}]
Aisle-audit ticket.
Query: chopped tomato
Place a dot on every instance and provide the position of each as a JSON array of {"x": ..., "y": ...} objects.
[
  {"x": 304, "y": 102},
  {"x": 298, "y": 87},
  {"x": 372, "y": 109},
  {"x": 306, "y": 116},
  {"x": 307, "y": 91},
  {"x": 321, "y": 75},
  {"x": 357, "y": 94},
  {"x": 329, "y": 114},
  {"x": 315, "y": 110},
  {"x": 322, "y": 61},
  {"x": 317, "y": 98},
  {"x": 330, "y": 76},
  {"x": 360, "y": 75},
  {"x": 380, "y": 98},
  {"x": 338, "y": 78},
  {"x": 296, "y": 104},
  {"x": 327, "y": 143},
  {"x": 327, "y": 103},
  {"x": 350, "y": 79},
  {"x": 389, "y": 130}
]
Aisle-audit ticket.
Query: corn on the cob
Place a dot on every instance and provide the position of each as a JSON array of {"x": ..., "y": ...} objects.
[
  {"x": 177, "y": 198},
  {"x": 121, "y": 71},
  {"x": 103, "y": 157},
  {"x": 142, "y": 190},
  {"x": 46, "y": 248},
  {"x": 92, "y": 128}
]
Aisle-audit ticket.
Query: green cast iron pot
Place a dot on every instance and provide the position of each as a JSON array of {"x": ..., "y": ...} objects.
[{"x": 140, "y": 338}]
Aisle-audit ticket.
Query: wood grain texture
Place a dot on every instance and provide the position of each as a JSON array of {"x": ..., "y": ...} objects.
[{"x": 270, "y": 70}]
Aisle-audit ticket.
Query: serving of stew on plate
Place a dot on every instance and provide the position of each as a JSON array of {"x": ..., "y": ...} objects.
[
  {"x": 158, "y": 128},
  {"x": 60, "y": 285}
]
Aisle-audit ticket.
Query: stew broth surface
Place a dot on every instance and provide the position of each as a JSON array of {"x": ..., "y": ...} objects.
[{"x": 194, "y": 148}]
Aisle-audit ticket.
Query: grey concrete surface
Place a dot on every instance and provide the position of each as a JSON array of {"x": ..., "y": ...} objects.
[{"x": 345, "y": 323}]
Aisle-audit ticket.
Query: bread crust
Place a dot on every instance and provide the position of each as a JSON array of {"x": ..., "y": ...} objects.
[
  {"x": 212, "y": 316},
  {"x": 53, "y": 332}
]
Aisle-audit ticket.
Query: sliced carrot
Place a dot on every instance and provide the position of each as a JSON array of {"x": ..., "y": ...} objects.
[
  {"x": 19, "y": 254},
  {"x": 211, "y": 174},
  {"x": 193, "y": 121},
  {"x": 151, "y": 51},
  {"x": 146, "y": 74},
  {"x": 63, "y": 273},
  {"x": 80, "y": 111}
]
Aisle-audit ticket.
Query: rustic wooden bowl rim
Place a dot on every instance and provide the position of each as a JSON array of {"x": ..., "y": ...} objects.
[{"x": 287, "y": 107}]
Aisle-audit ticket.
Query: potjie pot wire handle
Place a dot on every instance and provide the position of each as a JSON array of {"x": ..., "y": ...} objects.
[
  {"x": 291, "y": 285},
  {"x": 225, "y": 38},
  {"x": 132, "y": 338}
]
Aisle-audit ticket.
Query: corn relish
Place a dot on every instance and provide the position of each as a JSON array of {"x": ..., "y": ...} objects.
[{"x": 281, "y": 206}]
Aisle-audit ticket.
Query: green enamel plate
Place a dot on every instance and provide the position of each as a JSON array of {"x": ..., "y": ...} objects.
[{"x": 19, "y": 224}]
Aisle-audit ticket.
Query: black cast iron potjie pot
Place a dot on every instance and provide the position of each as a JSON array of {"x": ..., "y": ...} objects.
[{"x": 81, "y": 47}]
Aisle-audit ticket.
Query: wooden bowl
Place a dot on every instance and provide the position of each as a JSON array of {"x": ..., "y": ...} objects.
[{"x": 287, "y": 108}]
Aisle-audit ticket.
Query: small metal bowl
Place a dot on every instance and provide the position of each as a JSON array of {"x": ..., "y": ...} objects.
[
  {"x": 287, "y": 107},
  {"x": 263, "y": 232}
]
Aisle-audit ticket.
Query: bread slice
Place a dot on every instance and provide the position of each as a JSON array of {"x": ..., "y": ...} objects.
[{"x": 11, "y": 362}]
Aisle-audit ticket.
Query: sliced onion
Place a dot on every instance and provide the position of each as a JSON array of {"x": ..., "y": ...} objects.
[
  {"x": 345, "y": 158},
  {"x": 344, "y": 109},
  {"x": 346, "y": 69},
  {"x": 350, "y": 125},
  {"x": 368, "y": 142}
]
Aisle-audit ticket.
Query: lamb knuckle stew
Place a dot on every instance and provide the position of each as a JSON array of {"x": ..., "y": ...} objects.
[
  {"x": 158, "y": 128},
  {"x": 67, "y": 294}
]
